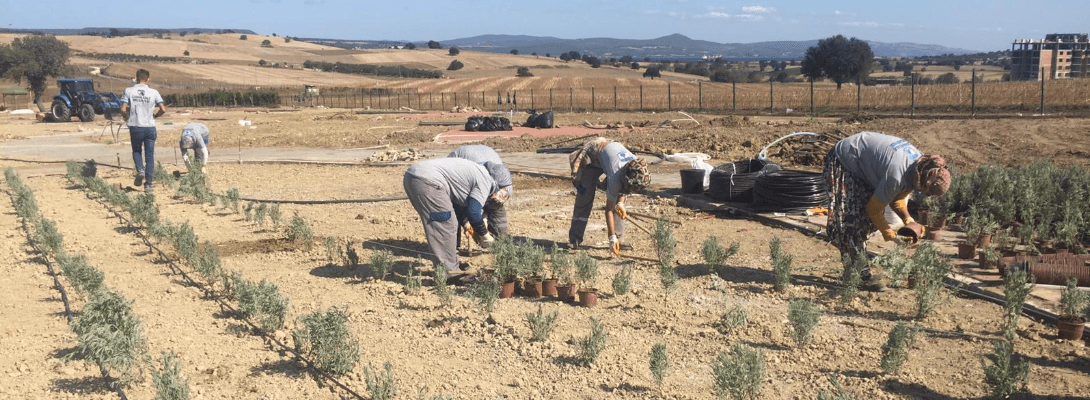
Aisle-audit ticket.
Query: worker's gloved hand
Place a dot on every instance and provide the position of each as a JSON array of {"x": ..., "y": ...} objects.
[
  {"x": 185, "y": 158},
  {"x": 615, "y": 245},
  {"x": 485, "y": 240},
  {"x": 621, "y": 212},
  {"x": 909, "y": 220},
  {"x": 203, "y": 171},
  {"x": 888, "y": 234}
]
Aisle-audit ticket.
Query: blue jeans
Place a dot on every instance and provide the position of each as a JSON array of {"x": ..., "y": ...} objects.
[{"x": 143, "y": 138}]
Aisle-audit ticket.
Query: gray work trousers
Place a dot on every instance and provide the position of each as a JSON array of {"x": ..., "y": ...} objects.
[
  {"x": 436, "y": 211},
  {"x": 584, "y": 204}
]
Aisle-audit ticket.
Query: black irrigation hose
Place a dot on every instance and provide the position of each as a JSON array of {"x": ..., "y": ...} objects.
[
  {"x": 110, "y": 381},
  {"x": 344, "y": 201},
  {"x": 734, "y": 182},
  {"x": 790, "y": 190},
  {"x": 223, "y": 304}
]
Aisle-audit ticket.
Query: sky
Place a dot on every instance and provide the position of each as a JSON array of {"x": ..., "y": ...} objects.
[{"x": 980, "y": 25}]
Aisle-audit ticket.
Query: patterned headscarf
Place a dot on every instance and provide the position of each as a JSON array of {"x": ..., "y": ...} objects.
[
  {"x": 636, "y": 176},
  {"x": 933, "y": 177}
]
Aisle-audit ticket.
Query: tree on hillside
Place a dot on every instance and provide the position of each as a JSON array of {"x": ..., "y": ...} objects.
[
  {"x": 839, "y": 59},
  {"x": 652, "y": 72},
  {"x": 626, "y": 59},
  {"x": 454, "y": 50},
  {"x": 185, "y": 53},
  {"x": 635, "y": 65},
  {"x": 434, "y": 45},
  {"x": 515, "y": 51},
  {"x": 266, "y": 43},
  {"x": 36, "y": 59},
  {"x": 455, "y": 65},
  {"x": 261, "y": 62},
  {"x": 410, "y": 46},
  {"x": 523, "y": 72},
  {"x": 242, "y": 37}
]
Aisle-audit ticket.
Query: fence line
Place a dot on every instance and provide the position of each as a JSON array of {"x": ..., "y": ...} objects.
[{"x": 1058, "y": 96}]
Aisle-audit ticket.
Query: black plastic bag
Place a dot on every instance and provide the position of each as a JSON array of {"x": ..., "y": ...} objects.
[
  {"x": 488, "y": 124},
  {"x": 543, "y": 120}
]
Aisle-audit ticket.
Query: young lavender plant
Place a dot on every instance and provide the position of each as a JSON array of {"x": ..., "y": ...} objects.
[
  {"x": 380, "y": 263},
  {"x": 781, "y": 265},
  {"x": 441, "y": 288},
  {"x": 591, "y": 346},
  {"x": 733, "y": 318},
  {"x": 714, "y": 254},
  {"x": 804, "y": 318},
  {"x": 169, "y": 382},
  {"x": 622, "y": 281},
  {"x": 485, "y": 293},
  {"x": 665, "y": 245},
  {"x": 1016, "y": 287},
  {"x": 299, "y": 231},
  {"x": 739, "y": 373},
  {"x": 274, "y": 214},
  {"x": 852, "y": 277},
  {"x": 541, "y": 324},
  {"x": 895, "y": 351},
  {"x": 327, "y": 339},
  {"x": 659, "y": 362},
  {"x": 839, "y": 392},
  {"x": 1008, "y": 373},
  {"x": 381, "y": 384}
]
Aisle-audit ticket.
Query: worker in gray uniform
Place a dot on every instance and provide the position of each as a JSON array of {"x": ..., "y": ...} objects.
[
  {"x": 495, "y": 214},
  {"x": 440, "y": 189},
  {"x": 194, "y": 137},
  {"x": 625, "y": 174}
]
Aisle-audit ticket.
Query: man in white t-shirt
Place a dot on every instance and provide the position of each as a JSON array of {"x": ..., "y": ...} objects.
[{"x": 140, "y": 105}]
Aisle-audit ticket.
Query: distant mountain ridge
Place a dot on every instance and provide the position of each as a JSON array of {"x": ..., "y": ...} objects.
[
  {"x": 99, "y": 31},
  {"x": 679, "y": 46}
]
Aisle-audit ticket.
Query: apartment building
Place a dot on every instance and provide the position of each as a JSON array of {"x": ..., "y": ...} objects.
[{"x": 1058, "y": 56}]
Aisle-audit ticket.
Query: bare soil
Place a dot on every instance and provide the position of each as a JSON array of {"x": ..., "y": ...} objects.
[{"x": 455, "y": 349}]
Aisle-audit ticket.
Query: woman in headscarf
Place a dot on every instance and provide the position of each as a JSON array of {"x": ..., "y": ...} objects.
[{"x": 867, "y": 172}]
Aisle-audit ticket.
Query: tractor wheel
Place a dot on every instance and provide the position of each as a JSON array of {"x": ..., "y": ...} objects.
[
  {"x": 61, "y": 113},
  {"x": 86, "y": 113}
]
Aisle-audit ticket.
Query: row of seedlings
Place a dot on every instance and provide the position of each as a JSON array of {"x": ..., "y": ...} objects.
[
  {"x": 108, "y": 332},
  {"x": 321, "y": 339}
]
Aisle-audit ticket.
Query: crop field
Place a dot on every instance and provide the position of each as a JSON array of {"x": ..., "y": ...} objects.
[{"x": 256, "y": 296}]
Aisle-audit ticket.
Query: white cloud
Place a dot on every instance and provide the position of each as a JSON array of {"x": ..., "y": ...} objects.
[
  {"x": 758, "y": 9},
  {"x": 749, "y": 17},
  {"x": 871, "y": 24},
  {"x": 714, "y": 15}
]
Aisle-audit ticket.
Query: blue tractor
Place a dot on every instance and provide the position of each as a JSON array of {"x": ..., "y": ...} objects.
[{"x": 78, "y": 97}]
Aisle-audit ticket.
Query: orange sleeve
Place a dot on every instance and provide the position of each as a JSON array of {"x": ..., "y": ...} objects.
[{"x": 876, "y": 211}]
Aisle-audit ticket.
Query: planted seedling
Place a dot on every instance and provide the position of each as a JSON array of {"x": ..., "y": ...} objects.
[
  {"x": 168, "y": 381},
  {"x": 505, "y": 258},
  {"x": 485, "y": 293},
  {"x": 247, "y": 211},
  {"x": 622, "y": 280},
  {"x": 895, "y": 351},
  {"x": 804, "y": 317},
  {"x": 541, "y": 324},
  {"x": 209, "y": 265},
  {"x": 781, "y": 265},
  {"x": 412, "y": 279},
  {"x": 48, "y": 238},
  {"x": 351, "y": 256},
  {"x": 333, "y": 251},
  {"x": 1016, "y": 287},
  {"x": 441, "y": 288},
  {"x": 109, "y": 333},
  {"x": 739, "y": 373},
  {"x": 299, "y": 231},
  {"x": 233, "y": 197},
  {"x": 274, "y": 214},
  {"x": 591, "y": 346},
  {"x": 665, "y": 245},
  {"x": 852, "y": 277},
  {"x": 264, "y": 303},
  {"x": 326, "y": 338},
  {"x": 86, "y": 279},
  {"x": 1073, "y": 302},
  {"x": 733, "y": 318},
  {"x": 714, "y": 254},
  {"x": 260, "y": 212},
  {"x": 659, "y": 362},
  {"x": 162, "y": 177},
  {"x": 586, "y": 269},
  {"x": 1008, "y": 373},
  {"x": 381, "y": 260},
  {"x": 931, "y": 268},
  {"x": 560, "y": 265},
  {"x": 381, "y": 384},
  {"x": 838, "y": 391}
]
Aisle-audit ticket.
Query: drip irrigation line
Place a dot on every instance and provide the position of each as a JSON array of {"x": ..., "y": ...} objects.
[
  {"x": 110, "y": 381},
  {"x": 210, "y": 293},
  {"x": 790, "y": 190},
  {"x": 311, "y": 202}
]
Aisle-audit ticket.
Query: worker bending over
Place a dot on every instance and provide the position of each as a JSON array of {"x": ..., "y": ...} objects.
[
  {"x": 439, "y": 189},
  {"x": 195, "y": 137},
  {"x": 495, "y": 213},
  {"x": 624, "y": 174},
  {"x": 867, "y": 172}
]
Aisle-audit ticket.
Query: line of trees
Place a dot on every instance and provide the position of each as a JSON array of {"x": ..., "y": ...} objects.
[{"x": 367, "y": 69}]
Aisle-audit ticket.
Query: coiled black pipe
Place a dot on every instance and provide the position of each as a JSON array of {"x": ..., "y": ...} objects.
[
  {"x": 734, "y": 182},
  {"x": 790, "y": 190}
]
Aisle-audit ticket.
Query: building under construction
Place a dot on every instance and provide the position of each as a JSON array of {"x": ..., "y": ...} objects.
[{"x": 1058, "y": 56}]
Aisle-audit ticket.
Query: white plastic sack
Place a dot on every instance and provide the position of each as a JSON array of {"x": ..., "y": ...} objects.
[
  {"x": 686, "y": 157},
  {"x": 698, "y": 163}
]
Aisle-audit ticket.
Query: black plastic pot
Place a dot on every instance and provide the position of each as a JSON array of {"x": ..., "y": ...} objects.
[{"x": 692, "y": 181}]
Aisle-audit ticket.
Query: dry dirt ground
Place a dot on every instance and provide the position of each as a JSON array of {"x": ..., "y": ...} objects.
[{"x": 456, "y": 350}]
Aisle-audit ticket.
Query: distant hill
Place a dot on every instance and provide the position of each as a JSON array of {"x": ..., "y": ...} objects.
[
  {"x": 679, "y": 47},
  {"x": 124, "y": 31}
]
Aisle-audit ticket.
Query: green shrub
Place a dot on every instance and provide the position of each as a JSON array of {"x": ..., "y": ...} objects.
[
  {"x": 781, "y": 265},
  {"x": 247, "y": 211},
  {"x": 852, "y": 276},
  {"x": 299, "y": 231},
  {"x": 109, "y": 333},
  {"x": 169, "y": 383},
  {"x": 412, "y": 280},
  {"x": 274, "y": 214},
  {"x": 441, "y": 288},
  {"x": 48, "y": 238},
  {"x": 210, "y": 267},
  {"x": 622, "y": 281},
  {"x": 586, "y": 269},
  {"x": 185, "y": 243},
  {"x": 895, "y": 351},
  {"x": 804, "y": 317},
  {"x": 1016, "y": 287},
  {"x": 541, "y": 324},
  {"x": 380, "y": 263},
  {"x": 231, "y": 282},
  {"x": 260, "y": 211},
  {"x": 1008, "y": 373},
  {"x": 930, "y": 270},
  {"x": 659, "y": 362},
  {"x": 733, "y": 318},
  {"x": 1072, "y": 300},
  {"x": 591, "y": 346},
  {"x": 530, "y": 259},
  {"x": 381, "y": 384},
  {"x": 162, "y": 177},
  {"x": 84, "y": 278},
  {"x": 333, "y": 251},
  {"x": 327, "y": 339},
  {"x": 485, "y": 293},
  {"x": 505, "y": 258},
  {"x": 665, "y": 244},
  {"x": 560, "y": 265},
  {"x": 352, "y": 258},
  {"x": 739, "y": 374},
  {"x": 143, "y": 210},
  {"x": 264, "y": 303},
  {"x": 895, "y": 265},
  {"x": 233, "y": 197},
  {"x": 714, "y": 254}
]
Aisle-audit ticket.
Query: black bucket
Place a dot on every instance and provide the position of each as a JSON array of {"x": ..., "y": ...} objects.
[{"x": 692, "y": 181}]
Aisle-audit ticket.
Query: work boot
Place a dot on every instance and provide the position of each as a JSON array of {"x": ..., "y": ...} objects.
[
  {"x": 573, "y": 246},
  {"x": 139, "y": 181},
  {"x": 873, "y": 281}
]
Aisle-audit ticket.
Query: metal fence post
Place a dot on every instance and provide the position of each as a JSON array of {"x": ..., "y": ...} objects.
[
  {"x": 700, "y": 95},
  {"x": 771, "y": 99},
  {"x": 532, "y": 99},
  {"x": 972, "y": 96},
  {"x": 912, "y": 100},
  {"x": 641, "y": 97},
  {"x": 571, "y": 99},
  {"x": 734, "y": 96},
  {"x": 858, "y": 93},
  {"x": 669, "y": 97},
  {"x": 811, "y": 96},
  {"x": 614, "y": 97},
  {"x": 1042, "y": 91},
  {"x": 550, "y": 99},
  {"x": 592, "y": 99}
]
